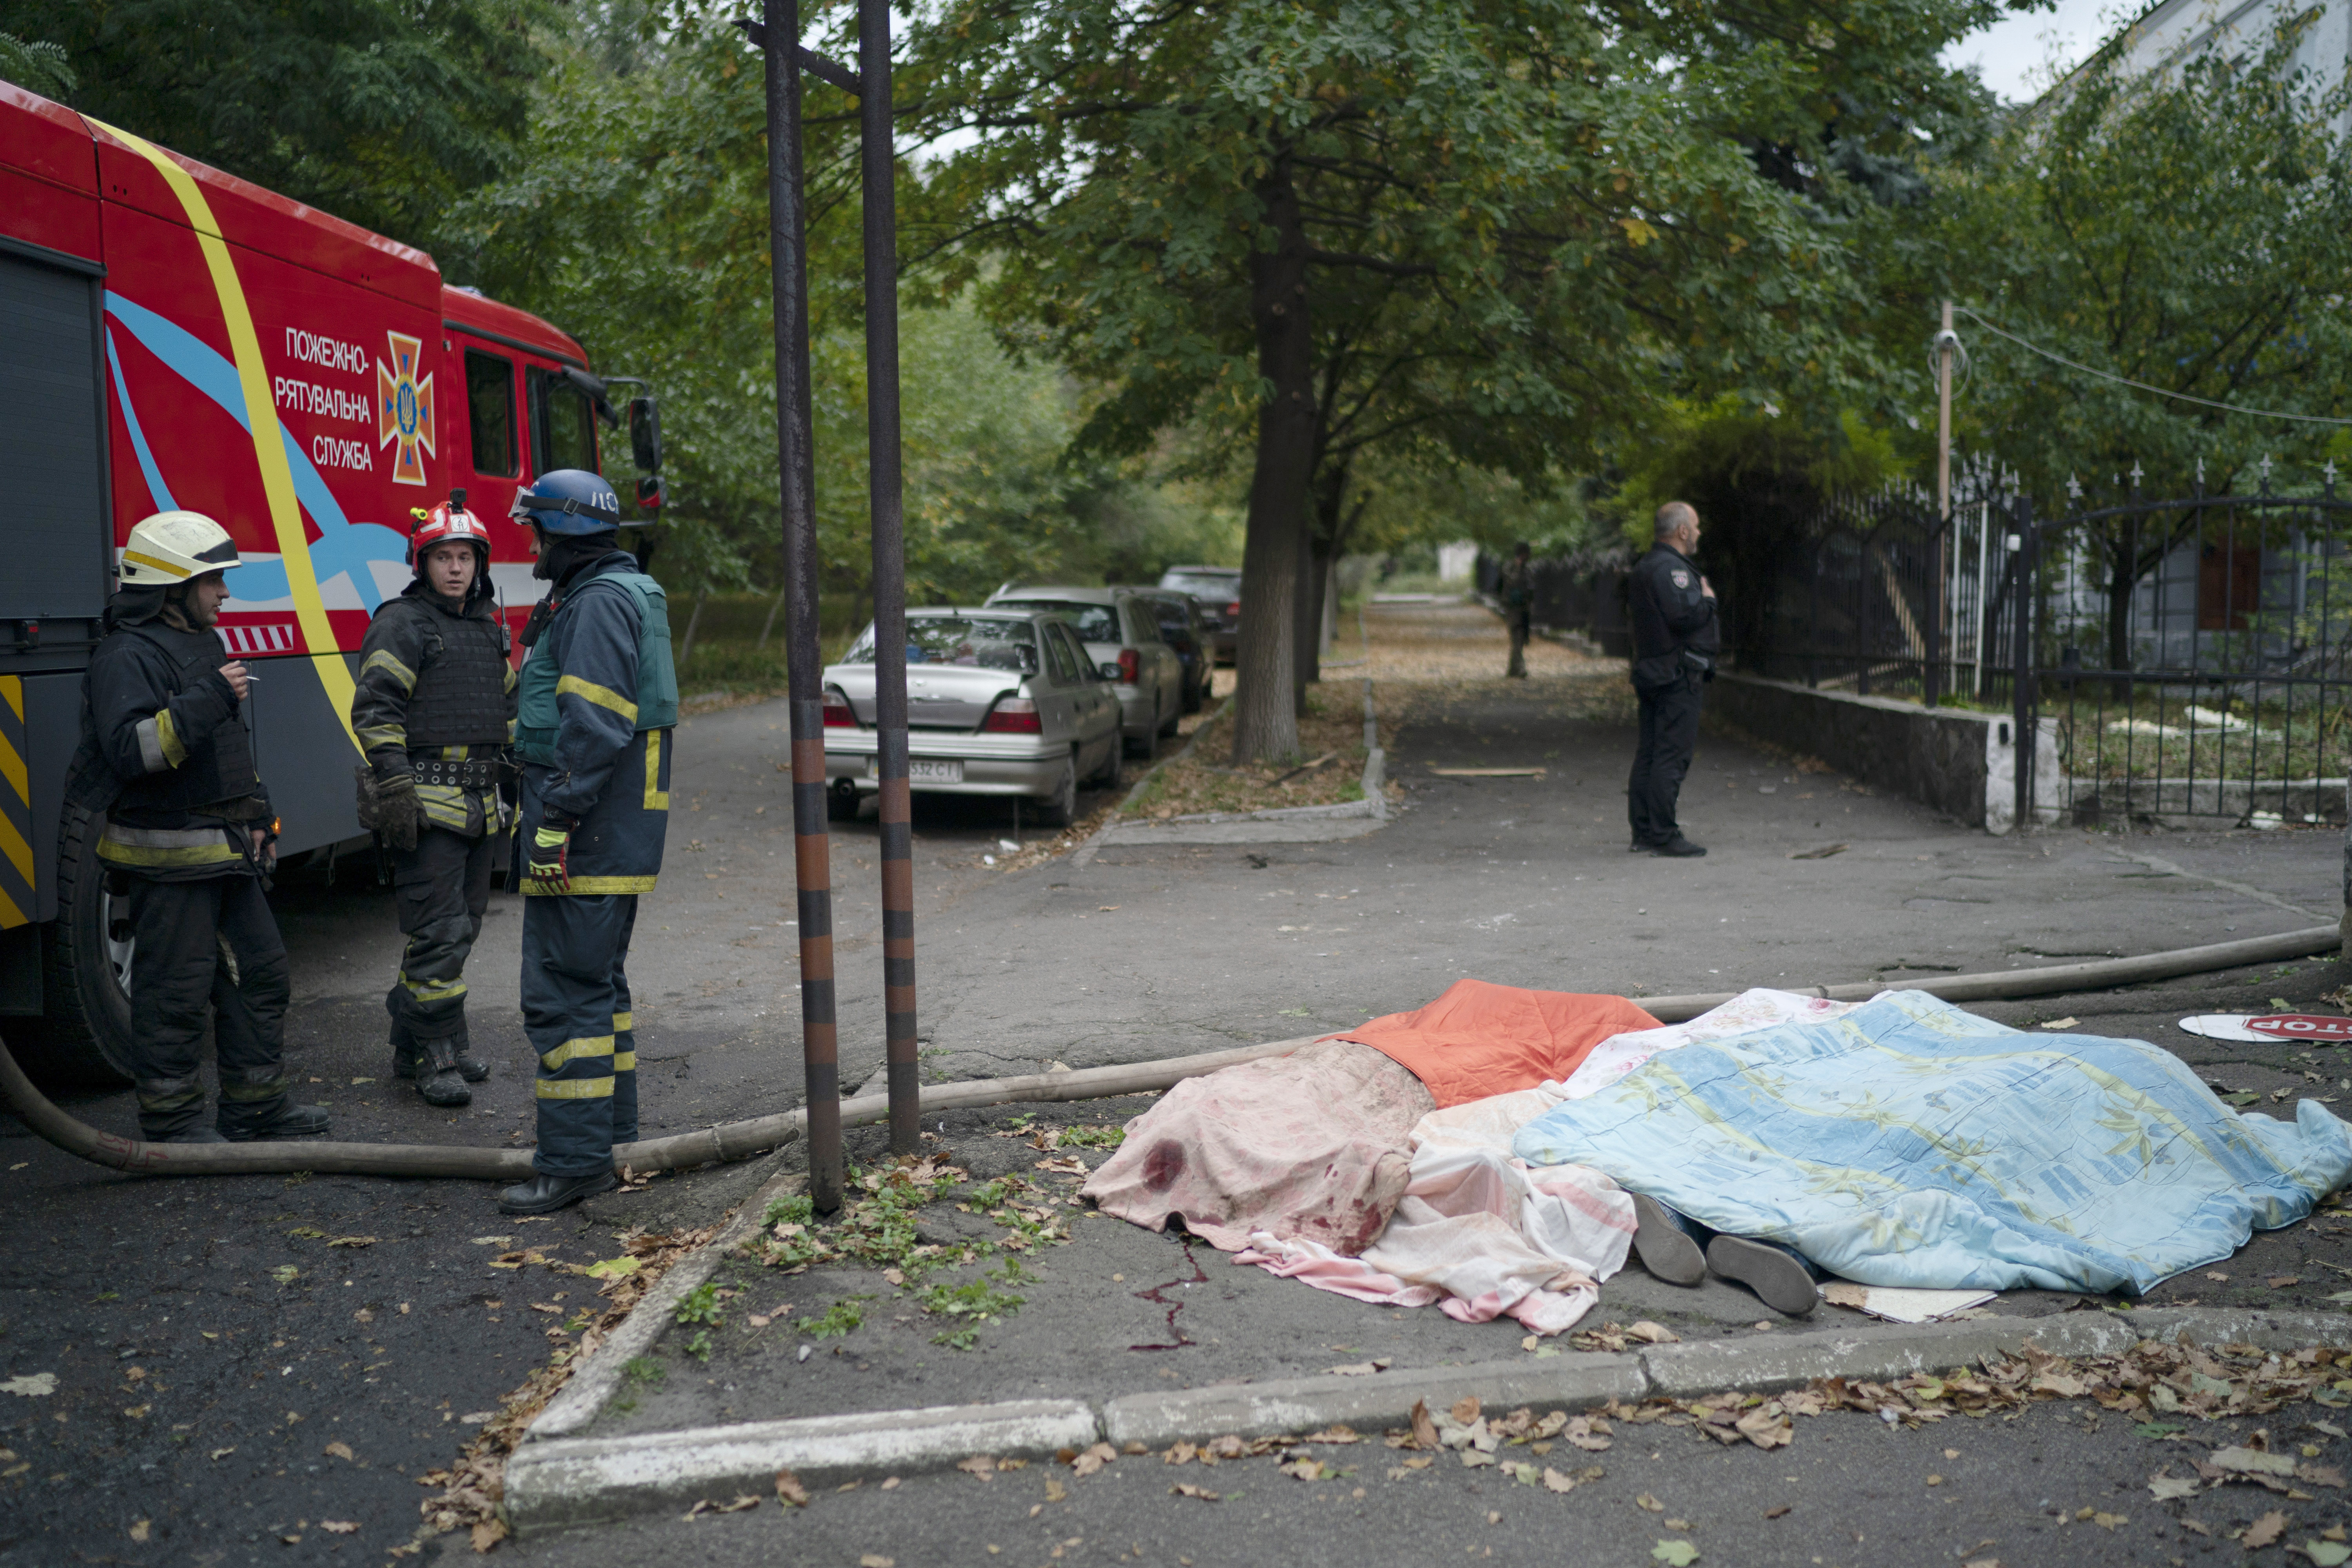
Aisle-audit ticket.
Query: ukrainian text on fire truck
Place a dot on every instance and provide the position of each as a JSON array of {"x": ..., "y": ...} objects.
[{"x": 300, "y": 396}]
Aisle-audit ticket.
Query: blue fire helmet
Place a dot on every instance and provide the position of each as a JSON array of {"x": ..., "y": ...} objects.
[{"x": 568, "y": 502}]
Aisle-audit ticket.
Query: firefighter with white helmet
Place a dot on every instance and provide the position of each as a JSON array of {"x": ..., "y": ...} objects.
[
  {"x": 190, "y": 838},
  {"x": 599, "y": 699},
  {"x": 433, "y": 708}
]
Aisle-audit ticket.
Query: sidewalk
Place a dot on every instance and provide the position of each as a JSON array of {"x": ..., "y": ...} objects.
[{"x": 1158, "y": 951}]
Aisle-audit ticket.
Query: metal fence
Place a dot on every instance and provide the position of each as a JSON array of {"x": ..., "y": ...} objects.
[
  {"x": 2195, "y": 655},
  {"x": 2189, "y": 658}
]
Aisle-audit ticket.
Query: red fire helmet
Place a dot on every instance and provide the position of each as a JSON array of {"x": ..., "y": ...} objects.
[{"x": 445, "y": 522}]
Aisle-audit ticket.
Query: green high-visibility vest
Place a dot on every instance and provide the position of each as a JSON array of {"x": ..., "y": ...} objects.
[{"x": 537, "y": 720}]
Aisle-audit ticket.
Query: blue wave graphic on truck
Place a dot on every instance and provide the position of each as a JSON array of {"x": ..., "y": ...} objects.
[{"x": 343, "y": 548}]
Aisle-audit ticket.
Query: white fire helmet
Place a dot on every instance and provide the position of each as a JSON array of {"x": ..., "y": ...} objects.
[{"x": 174, "y": 547}]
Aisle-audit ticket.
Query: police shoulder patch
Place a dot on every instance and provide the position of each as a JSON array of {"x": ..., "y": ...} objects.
[{"x": 1682, "y": 578}]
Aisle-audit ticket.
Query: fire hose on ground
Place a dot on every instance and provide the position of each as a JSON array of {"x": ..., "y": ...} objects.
[{"x": 743, "y": 1140}]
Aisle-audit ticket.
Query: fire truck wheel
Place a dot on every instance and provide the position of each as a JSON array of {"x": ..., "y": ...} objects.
[{"x": 84, "y": 1037}]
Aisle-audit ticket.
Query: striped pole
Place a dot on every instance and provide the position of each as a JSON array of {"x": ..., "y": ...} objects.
[{"x": 878, "y": 165}]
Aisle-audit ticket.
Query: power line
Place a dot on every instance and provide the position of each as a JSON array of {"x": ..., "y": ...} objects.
[{"x": 2141, "y": 386}]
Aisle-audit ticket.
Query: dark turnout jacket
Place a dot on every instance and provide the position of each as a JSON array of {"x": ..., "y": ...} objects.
[
  {"x": 436, "y": 690},
  {"x": 1671, "y": 616}
]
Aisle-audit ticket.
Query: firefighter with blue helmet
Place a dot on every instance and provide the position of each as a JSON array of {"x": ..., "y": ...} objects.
[{"x": 599, "y": 698}]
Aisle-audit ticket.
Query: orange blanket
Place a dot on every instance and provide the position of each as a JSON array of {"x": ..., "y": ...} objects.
[{"x": 1480, "y": 1039}]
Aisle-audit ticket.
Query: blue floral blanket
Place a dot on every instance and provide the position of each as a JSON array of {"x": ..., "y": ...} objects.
[{"x": 1908, "y": 1142}]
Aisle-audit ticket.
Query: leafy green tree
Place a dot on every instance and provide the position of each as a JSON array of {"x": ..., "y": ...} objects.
[
  {"x": 380, "y": 111},
  {"x": 637, "y": 219},
  {"x": 2189, "y": 229},
  {"x": 1493, "y": 230},
  {"x": 36, "y": 65}
]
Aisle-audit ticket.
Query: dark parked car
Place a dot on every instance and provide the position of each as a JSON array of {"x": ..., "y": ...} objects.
[
  {"x": 1219, "y": 589},
  {"x": 1185, "y": 626}
]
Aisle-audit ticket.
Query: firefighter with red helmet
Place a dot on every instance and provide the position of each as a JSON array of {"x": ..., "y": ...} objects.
[
  {"x": 433, "y": 708},
  {"x": 190, "y": 841}
]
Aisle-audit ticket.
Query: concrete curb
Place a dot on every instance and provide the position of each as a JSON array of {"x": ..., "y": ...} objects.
[
  {"x": 554, "y": 1482},
  {"x": 555, "y": 1485},
  {"x": 1276, "y": 824},
  {"x": 585, "y": 1395},
  {"x": 1367, "y": 1404}
]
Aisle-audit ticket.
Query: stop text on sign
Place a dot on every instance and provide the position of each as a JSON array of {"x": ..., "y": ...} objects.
[{"x": 2301, "y": 1026}]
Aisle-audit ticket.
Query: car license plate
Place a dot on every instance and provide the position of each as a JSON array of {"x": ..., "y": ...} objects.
[{"x": 928, "y": 770}]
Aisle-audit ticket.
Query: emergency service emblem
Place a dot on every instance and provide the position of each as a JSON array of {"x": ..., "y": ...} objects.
[
  {"x": 403, "y": 409},
  {"x": 1682, "y": 579}
]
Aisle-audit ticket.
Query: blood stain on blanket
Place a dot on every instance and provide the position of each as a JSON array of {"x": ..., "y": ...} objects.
[
  {"x": 1177, "y": 1339},
  {"x": 1163, "y": 1164}
]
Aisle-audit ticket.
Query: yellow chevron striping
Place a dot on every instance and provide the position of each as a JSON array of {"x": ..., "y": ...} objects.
[{"x": 261, "y": 419}]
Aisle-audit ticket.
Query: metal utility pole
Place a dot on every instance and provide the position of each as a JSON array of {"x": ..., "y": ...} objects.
[
  {"x": 795, "y": 454},
  {"x": 1931, "y": 678},
  {"x": 777, "y": 35},
  {"x": 877, "y": 165}
]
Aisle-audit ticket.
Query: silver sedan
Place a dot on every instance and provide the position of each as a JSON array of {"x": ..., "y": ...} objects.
[
  {"x": 1122, "y": 634},
  {"x": 1001, "y": 701}
]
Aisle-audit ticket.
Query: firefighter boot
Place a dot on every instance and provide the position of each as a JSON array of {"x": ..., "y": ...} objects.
[
  {"x": 406, "y": 1056},
  {"x": 438, "y": 1077},
  {"x": 471, "y": 1067}
]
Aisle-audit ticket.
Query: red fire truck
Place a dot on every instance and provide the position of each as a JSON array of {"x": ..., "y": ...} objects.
[{"x": 173, "y": 336}]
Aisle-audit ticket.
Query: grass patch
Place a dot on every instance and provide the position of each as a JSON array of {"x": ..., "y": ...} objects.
[
  {"x": 1330, "y": 737},
  {"x": 844, "y": 1316},
  {"x": 876, "y": 1228}
]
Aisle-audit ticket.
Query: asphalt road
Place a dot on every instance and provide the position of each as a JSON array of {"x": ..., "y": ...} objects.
[
  {"x": 248, "y": 1385},
  {"x": 1849, "y": 1491}
]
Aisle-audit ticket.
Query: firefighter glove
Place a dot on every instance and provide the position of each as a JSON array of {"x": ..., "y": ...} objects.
[
  {"x": 388, "y": 804},
  {"x": 550, "y": 867}
]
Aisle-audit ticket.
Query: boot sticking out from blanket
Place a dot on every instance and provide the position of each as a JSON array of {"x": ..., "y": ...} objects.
[
  {"x": 1665, "y": 1248},
  {"x": 1780, "y": 1280}
]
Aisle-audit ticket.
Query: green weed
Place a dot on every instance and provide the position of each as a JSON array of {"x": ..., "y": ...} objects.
[
  {"x": 976, "y": 1300},
  {"x": 699, "y": 1347},
  {"x": 643, "y": 1370},
  {"x": 699, "y": 1305},
  {"x": 1093, "y": 1137},
  {"x": 844, "y": 1316}
]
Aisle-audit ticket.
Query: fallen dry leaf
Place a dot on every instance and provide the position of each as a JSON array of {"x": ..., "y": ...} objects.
[
  {"x": 1555, "y": 1482},
  {"x": 340, "y": 1526},
  {"x": 2108, "y": 1520},
  {"x": 489, "y": 1534},
  {"x": 1304, "y": 1470},
  {"x": 1651, "y": 1333},
  {"x": 1186, "y": 1488},
  {"x": 1054, "y": 1492},
  {"x": 2281, "y": 1281},
  {"x": 2170, "y": 1489},
  {"x": 1466, "y": 1409},
  {"x": 138, "y": 1530},
  {"x": 788, "y": 1490},
  {"x": 2252, "y": 1462},
  {"x": 1649, "y": 1504},
  {"x": 1425, "y": 1428},
  {"x": 2265, "y": 1530},
  {"x": 978, "y": 1464},
  {"x": 1093, "y": 1459},
  {"x": 875, "y": 1559},
  {"x": 1777, "y": 1512},
  {"x": 337, "y": 1450}
]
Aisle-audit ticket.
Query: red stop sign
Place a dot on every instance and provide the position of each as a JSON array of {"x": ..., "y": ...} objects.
[{"x": 2301, "y": 1026}]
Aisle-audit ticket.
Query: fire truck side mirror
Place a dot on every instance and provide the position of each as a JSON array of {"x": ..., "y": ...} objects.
[
  {"x": 651, "y": 492},
  {"x": 645, "y": 435}
]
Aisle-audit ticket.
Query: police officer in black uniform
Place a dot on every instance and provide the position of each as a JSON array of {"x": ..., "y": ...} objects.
[
  {"x": 1675, "y": 640},
  {"x": 434, "y": 707},
  {"x": 190, "y": 839}
]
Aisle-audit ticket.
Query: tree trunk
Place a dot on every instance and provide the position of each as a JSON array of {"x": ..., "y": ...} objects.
[
  {"x": 1265, "y": 711},
  {"x": 1306, "y": 660}
]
